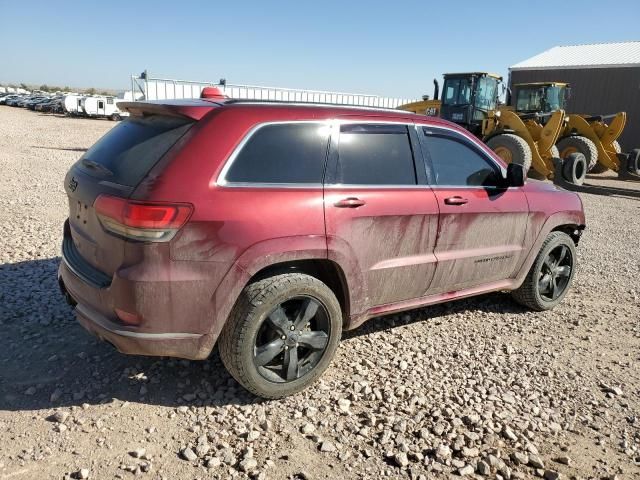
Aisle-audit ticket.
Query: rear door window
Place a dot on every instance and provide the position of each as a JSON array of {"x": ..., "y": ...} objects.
[
  {"x": 372, "y": 154},
  {"x": 283, "y": 153},
  {"x": 129, "y": 151}
]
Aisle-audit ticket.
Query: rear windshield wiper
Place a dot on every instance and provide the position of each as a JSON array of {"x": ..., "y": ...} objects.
[{"x": 96, "y": 166}]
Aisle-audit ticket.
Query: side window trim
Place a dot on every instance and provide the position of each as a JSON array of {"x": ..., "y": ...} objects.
[
  {"x": 455, "y": 136},
  {"x": 332, "y": 161},
  {"x": 222, "y": 181}
]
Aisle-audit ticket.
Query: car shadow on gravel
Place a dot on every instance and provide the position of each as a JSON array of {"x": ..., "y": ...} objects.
[
  {"x": 47, "y": 360},
  {"x": 489, "y": 303},
  {"x": 66, "y": 149}
]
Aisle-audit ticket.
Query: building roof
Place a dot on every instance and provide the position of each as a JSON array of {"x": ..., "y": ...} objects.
[{"x": 595, "y": 55}]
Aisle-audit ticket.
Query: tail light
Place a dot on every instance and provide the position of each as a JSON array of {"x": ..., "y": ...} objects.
[{"x": 151, "y": 222}]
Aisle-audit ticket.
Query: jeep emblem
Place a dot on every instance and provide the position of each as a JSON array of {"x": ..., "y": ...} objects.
[{"x": 73, "y": 184}]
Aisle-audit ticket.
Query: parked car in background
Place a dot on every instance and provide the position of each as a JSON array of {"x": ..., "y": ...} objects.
[
  {"x": 13, "y": 100},
  {"x": 31, "y": 104},
  {"x": 270, "y": 228},
  {"x": 53, "y": 105}
]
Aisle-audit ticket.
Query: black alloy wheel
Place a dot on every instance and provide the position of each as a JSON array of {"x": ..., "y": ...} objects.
[
  {"x": 555, "y": 273},
  {"x": 292, "y": 339}
]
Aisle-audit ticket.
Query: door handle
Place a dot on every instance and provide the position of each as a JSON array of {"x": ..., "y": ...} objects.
[
  {"x": 350, "y": 202},
  {"x": 455, "y": 201}
]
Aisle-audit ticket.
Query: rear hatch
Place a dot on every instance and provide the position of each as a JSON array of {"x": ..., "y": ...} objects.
[{"x": 114, "y": 166}]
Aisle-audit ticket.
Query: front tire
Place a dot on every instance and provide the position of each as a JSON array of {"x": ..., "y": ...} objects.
[
  {"x": 551, "y": 274},
  {"x": 579, "y": 144},
  {"x": 574, "y": 168},
  {"x": 281, "y": 335}
]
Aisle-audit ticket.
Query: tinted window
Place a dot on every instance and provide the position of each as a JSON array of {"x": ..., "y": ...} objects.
[
  {"x": 375, "y": 155},
  {"x": 454, "y": 162},
  {"x": 282, "y": 153},
  {"x": 130, "y": 149},
  {"x": 457, "y": 91}
]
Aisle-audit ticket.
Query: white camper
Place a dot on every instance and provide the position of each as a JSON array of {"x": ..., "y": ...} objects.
[
  {"x": 72, "y": 104},
  {"x": 105, "y": 107}
]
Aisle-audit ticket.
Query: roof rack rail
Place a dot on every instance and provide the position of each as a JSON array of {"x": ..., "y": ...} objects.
[{"x": 315, "y": 104}]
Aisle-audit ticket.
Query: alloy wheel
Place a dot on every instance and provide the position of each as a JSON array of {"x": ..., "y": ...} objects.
[
  {"x": 555, "y": 273},
  {"x": 291, "y": 339}
]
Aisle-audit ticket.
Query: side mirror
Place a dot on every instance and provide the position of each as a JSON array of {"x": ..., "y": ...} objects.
[{"x": 515, "y": 175}]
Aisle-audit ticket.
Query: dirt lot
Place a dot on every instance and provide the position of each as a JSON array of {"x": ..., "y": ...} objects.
[{"x": 479, "y": 388}]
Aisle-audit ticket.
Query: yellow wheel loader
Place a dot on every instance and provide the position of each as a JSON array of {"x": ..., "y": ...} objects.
[
  {"x": 596, "y": 137},
  {"x": 471, "y": 100}
]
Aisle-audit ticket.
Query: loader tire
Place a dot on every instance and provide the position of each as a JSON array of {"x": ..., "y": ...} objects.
[
  {"x": 633, "y": 164},
  {"x": 599, "y": 168},
  {"x": 574, "y": 168},
  {"x": 512, "y": 149},
  {"x": 579, "y": 144}
]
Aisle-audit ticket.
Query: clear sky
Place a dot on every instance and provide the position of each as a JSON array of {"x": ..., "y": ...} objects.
[{"x": 391, "y": 48}]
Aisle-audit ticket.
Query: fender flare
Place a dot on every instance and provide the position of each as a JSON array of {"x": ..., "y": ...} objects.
[{"x": 272, "y": 252}]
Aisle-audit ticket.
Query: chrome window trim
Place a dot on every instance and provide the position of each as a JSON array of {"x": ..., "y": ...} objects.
[
  {"x": 298, "y": 186},
  {"x": 222, "y": 181},
  {"x": 333, "y": 126},
  {"x": 337, "y": 186}
]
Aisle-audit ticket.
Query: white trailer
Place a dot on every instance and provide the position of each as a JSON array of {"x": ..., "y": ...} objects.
[
  {"x": 72, "y": 104},
  {"x": 102, "y": 107}
]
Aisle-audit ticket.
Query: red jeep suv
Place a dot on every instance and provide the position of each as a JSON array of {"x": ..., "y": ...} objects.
[{"x": 271, "y": 227}]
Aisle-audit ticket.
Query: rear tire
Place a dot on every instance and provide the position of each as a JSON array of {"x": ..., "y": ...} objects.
[
  {"x": 580, "y": 144},
  {"x": 633, "y": 164},
  {"x": 574, "y": 168},
  {"x": 512, "y": 149},
  {"x": 548, "y": 270},
  {"x": 251, "y": 344}
]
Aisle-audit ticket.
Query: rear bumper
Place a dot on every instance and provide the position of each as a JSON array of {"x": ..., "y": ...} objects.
[
  {"x": 130, "y": 340},
  {"x": 175, "y": 305},
  {"x": 183, "y": 345}
]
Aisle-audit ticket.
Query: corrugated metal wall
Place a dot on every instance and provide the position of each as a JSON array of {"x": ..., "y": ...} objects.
[{"x": 597, "y": 91}]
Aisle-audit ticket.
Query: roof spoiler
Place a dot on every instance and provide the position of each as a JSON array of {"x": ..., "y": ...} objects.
[{"x": 193, "y": 110}]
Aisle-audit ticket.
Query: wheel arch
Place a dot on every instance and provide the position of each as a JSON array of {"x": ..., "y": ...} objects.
[
  {"x": 325, "y": 270},
  {"x": 572, "y": 229}
]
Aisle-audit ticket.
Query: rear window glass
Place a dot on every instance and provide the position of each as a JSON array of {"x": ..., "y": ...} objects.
[
  {"x": 127, "y": 153},
  {"x": 282, "y": 153}
]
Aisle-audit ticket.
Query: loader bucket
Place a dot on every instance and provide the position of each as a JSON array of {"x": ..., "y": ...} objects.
[{"x": 595, "y": 130}]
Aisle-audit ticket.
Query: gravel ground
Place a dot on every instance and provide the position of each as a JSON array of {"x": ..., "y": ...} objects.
[{"x": 478, "y": 388}]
